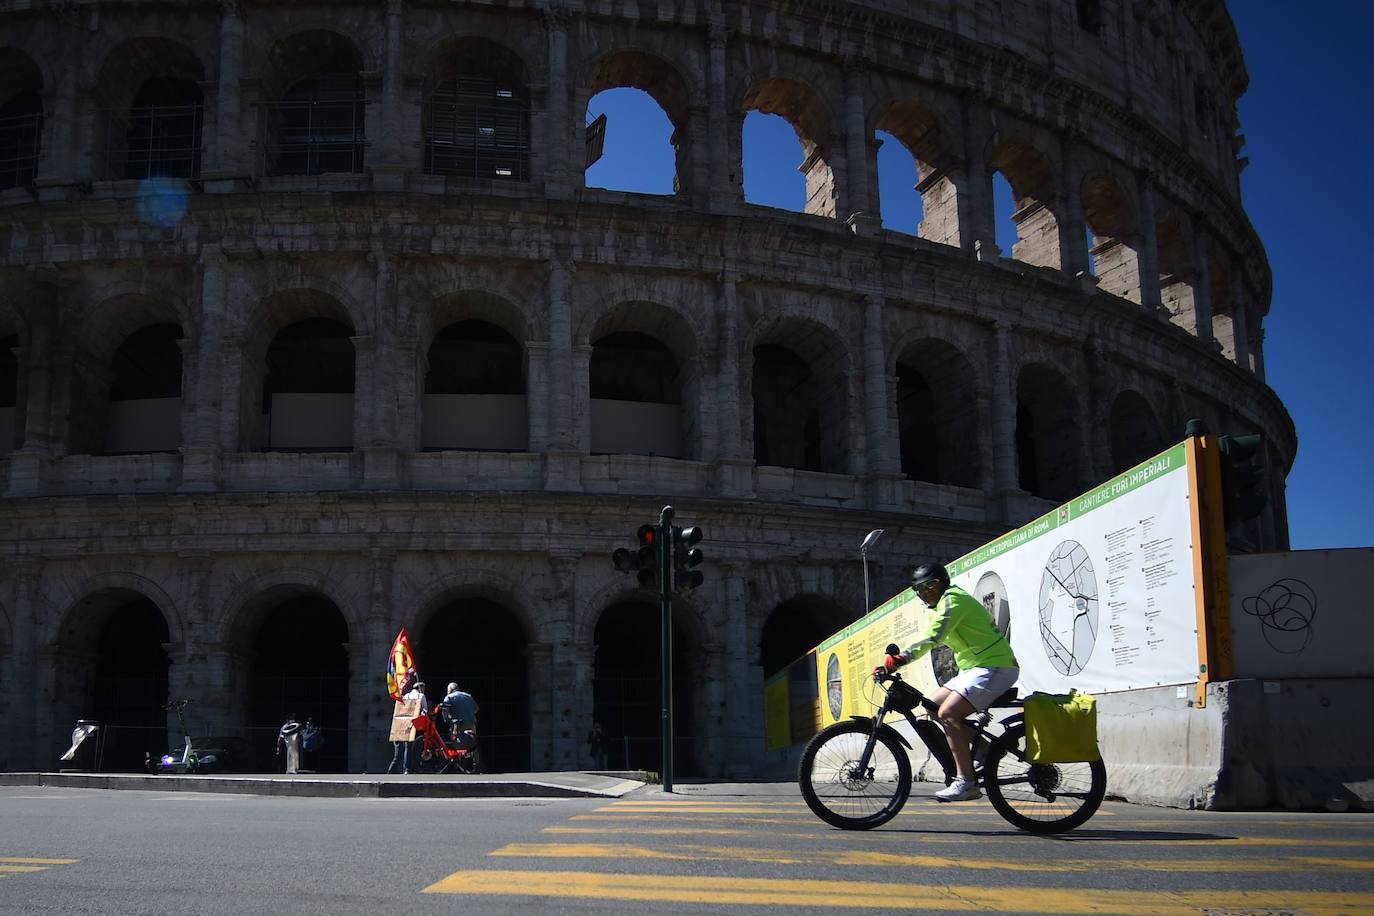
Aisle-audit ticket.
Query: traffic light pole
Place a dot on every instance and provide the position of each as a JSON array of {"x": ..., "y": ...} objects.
[{"x": 665, "y": 597}]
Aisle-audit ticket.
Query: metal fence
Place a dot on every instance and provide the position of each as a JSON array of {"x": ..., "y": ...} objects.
[
  {"x": 20, "y": 139},
  {"x": 311, "y": 137},
  {"x": 154, "y": 141},
  {"x": 467, "y": 140}
]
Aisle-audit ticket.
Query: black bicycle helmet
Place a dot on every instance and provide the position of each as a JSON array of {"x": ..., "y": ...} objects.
[{"x": 925, "y": 572}]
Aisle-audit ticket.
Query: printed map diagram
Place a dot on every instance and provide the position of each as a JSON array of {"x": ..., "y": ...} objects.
[{"x": 1068, "y": 608}]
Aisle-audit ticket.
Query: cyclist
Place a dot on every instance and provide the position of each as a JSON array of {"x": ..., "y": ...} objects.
[{"x": 987, "y": 667}]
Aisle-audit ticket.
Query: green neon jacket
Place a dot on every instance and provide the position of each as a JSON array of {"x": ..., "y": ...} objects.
[{"x": 960, "y": 621}]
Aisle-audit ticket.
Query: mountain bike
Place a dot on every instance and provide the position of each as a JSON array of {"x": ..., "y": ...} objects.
[{"x": 856, "y": 775}]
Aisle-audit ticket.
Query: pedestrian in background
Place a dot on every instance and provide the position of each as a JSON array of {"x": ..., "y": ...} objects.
[
  {"x": 402, "y": 750},
  {"x": 596, "y": 743}
]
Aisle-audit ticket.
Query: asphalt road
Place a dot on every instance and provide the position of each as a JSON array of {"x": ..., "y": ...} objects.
[{"x": 748, "y": 849}]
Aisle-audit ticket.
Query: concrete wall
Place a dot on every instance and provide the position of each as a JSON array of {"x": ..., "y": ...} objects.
[{"x": 1302, "y": 613}]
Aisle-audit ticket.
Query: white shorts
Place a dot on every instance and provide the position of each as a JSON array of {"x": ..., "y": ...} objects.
[{"x": 980, "y": 686}]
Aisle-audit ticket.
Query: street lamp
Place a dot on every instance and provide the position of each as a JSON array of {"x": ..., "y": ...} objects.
[{"x": 868, "y": 542}]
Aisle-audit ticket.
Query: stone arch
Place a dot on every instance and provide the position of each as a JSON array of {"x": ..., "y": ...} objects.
[
  {"x": 1111, "y": 218},
  {"x": 290, "y": 646},
  {"x": 923, "y": 135},
  {"x": 630, "y": 385},
  {"x": 819, "y": 353},
  {"x": 1135, "y": 431},
  {"x": 476, "y": 110},
  {"x": 477, "y": 304},
  {"x": 321, "y": 324},
  {"x": 244, "y": 605},
  {"x": 479, "y": 583},
  {"x": 149, "y": 89},
  {"x": 794, "y": 626},
  {"x": 938, "y": 388},
  {"x": 1031, "y": 175},
  {"x": 1048, "y": 440},
  {"x": 110, "y": 664},
  {"x": 625, "y": 693},
  {"x": 104, "y": 333},
  {"x": 803, "y": 107},
  {"x": 311, "y": 77},
  {"x": 664, "y": 81},
  {"x": 67, "y": 601}
]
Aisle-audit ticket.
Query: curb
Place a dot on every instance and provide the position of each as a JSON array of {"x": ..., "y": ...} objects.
[{"x": 469, "y": 787}]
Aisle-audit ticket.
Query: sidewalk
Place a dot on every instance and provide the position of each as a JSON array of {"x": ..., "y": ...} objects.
[{"x": 355, "y": 785}]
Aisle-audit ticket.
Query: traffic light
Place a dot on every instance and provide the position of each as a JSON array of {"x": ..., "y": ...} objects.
[
  {"x": 1242, "y": 478},
  {"x": 642, "y": 560},
  {"x": 686, "y": 557}
]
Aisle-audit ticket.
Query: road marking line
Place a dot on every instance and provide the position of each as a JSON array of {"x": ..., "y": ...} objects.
[
  {"x": 30, "y": 860},
  {"x": 717, "y": 890},
  {"x": 868, "y": 858},
  {"x": 22, "y": 868}
]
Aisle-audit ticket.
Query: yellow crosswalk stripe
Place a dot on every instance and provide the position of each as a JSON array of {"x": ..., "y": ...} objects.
[
  {"x": 825, "y": 834},
  {"x": 30, "y": 860},
  {"x": 22, "y": 868},
  {"x": 868, "y": 858},
  {"x": 719, "y": 890}
]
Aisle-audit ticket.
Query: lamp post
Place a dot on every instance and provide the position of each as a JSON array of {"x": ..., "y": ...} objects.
[{"x": 869, "y": 541}]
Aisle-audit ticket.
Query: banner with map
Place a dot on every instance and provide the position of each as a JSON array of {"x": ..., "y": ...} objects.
[{"x": 1100, "y": 594}]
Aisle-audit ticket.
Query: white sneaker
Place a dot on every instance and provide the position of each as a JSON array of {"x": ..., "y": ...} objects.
[{"x": 959, "y": 790}]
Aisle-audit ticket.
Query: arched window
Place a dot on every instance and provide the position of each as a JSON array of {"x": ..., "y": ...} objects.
[
  {"x": 21, "y": 132},
  {"x": 475, "y": 390},
  {"x": 163, "y": 137},
  {"x": 765, "y": 176},
  {"x": 307, "y": 394},
  {"x": 318, "y": 124},
  {"x": 636, "y": 396},
  {"x": 145, "y": 392},
  {"x": 477, "y": 125}
]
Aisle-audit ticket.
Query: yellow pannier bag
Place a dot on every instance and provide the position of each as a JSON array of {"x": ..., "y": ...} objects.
[{"x": 1061, "y": 727}]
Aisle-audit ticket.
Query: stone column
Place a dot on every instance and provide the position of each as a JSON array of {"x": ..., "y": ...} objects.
[
  {"x": 742, "y": 713},
  {"x": 537, "y": 409},
  {"x": 60, "y": 152},
  {"x": 859, "y": 188},
  {"x": 365, "y": 395},
  {"x": 362, "y": 692},
  {"x": 1149, "y": 244},
  {"x": 734, "y": 470},
  {"x": 381, "y": 445},
  {"x": 389, "y": 173},
  {"x": 879, "y": 454},
  {"x": 228, "y": 156},
  {"x": 726, "y": 183},
  {"x": 1240, "y": 318},
  {"x": 544, "y": 698},
  {"x": 1073, "y": 246},
  {"x": 568, "y": 703},
  {"x": 1094, "y": 435},
  {"x": 379, "y": 634},
  {"x": 1202, "y": 285},
  {"x": 1003, "y": 410},
  {"x": 29, "y": 463},
  {"x": 1255, "y": 338},
  {"x": 200, "y": 411},
  {"x": 987, "y": 436},
  {"x": 562, "y": 461},
  {"x": 19, "y": 751},
  {"x": 977, "y": 229},
  {"x": 558, "y": 181}
]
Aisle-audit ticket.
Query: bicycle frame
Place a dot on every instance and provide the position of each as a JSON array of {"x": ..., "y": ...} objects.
[{"x": 930, "y": 733}]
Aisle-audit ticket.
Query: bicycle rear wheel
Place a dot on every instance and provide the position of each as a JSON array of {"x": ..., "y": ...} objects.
[
  {"x": 841, "y": 794},
  {"x": 1041, "y": 797}
]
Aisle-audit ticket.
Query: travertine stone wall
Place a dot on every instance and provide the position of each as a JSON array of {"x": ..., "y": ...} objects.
[{"x": 1127, "y": 130}]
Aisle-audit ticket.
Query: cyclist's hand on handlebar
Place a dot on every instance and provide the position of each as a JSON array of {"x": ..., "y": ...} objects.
[{"x": 879, "y": 672}]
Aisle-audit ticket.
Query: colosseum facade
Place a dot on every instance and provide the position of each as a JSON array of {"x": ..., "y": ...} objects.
[{"x": 311, "y": 329}]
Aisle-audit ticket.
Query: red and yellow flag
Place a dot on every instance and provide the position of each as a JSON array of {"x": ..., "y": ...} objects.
[{"x": 400, "y": 667}]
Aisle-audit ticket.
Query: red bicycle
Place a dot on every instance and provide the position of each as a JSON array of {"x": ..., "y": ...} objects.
[{"x": 443, "y": 752}]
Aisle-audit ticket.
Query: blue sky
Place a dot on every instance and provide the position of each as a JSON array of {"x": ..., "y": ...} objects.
[{"x": 1306, "y": 124}]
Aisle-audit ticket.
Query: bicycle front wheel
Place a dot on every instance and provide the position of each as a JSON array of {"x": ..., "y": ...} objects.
[
  {"x": 1041, "y": 797},
  {"x": 841, "y": 792}
]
